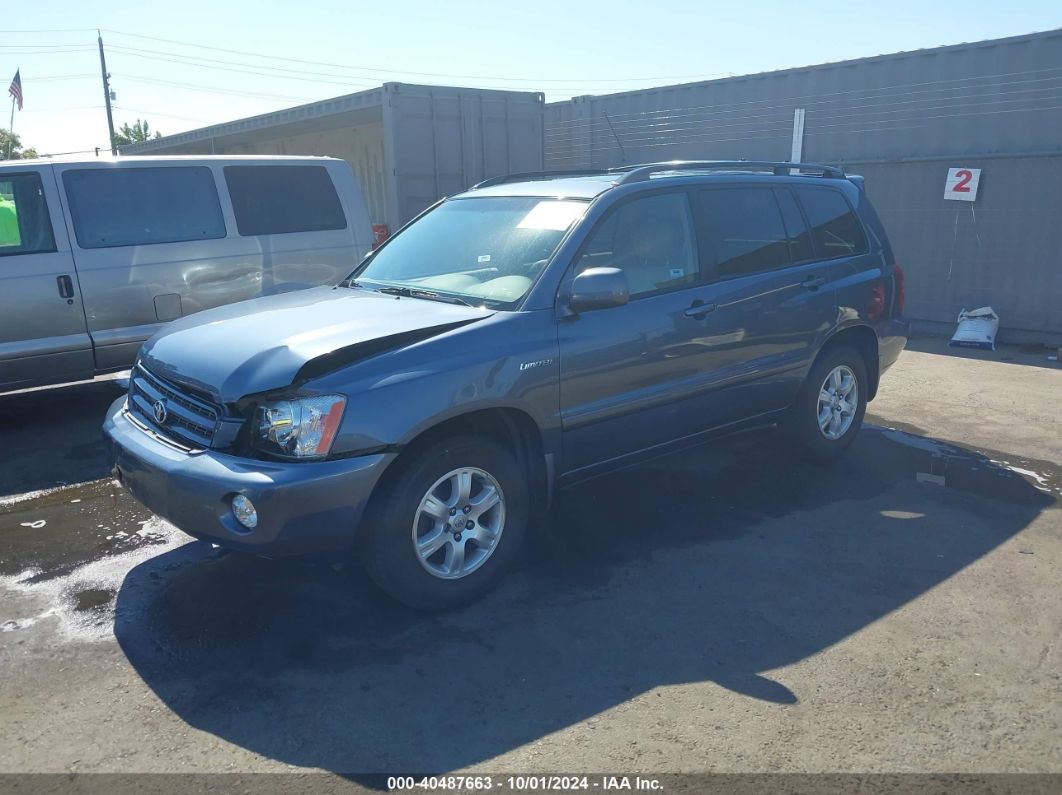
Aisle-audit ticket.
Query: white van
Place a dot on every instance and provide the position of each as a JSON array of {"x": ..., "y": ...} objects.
[{"x": 96, "y": 255}]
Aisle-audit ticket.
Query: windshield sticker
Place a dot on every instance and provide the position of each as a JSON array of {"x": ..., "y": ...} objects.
[
  {"x": 554, "y": 215},
  {"x": 483, "y": 258}
]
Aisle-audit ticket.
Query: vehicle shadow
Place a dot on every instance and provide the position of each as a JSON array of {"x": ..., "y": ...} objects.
[
  {"x": 52, "y": 436},
  {"x": 713, "y": 566}
]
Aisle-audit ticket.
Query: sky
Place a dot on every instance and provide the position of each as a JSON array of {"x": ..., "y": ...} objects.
[{"x": 228, "y": 60}]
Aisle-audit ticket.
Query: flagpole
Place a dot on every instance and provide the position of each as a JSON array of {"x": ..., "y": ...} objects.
[{"x": 11, "y": 129}]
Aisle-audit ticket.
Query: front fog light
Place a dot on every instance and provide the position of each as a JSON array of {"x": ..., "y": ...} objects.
[{"x": 243, "y": 510}]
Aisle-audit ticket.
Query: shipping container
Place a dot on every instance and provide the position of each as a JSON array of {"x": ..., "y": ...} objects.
[{"x": 409, "y": 145}]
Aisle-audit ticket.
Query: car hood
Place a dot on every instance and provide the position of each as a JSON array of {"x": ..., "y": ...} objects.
[{"x": 268, "y": 343}]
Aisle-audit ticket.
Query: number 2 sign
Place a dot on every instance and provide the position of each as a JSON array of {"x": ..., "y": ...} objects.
[{"x": 962, "y": 184}]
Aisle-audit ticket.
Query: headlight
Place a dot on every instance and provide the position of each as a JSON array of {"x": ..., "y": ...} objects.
[{"x": 301, "y": 428}]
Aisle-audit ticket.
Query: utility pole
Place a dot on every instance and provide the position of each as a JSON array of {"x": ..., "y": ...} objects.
[{"x": 107, "y": 95}]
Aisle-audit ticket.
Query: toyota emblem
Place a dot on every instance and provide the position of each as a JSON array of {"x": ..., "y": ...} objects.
[{"x": 159, "y": 408}]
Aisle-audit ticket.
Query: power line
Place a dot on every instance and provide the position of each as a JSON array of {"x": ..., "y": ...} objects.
[
  {"x": 185, "y": 62},
  {"x": 275, "y": 72},
  {"x": 49, "y": 52},
  {"x": 38, "y": 46},
  {"x": 48, "y": 30},
  {"x": 64, "y": 110},
  {"x": 51, "y": 78},
  {"x": 404, "y": 71},
  {"x": 160, "y": 113},
  {"x": 211, "y": 89}
]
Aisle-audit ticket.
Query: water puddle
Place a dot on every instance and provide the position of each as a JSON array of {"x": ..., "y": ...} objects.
[{"x": 65, "y": 552}]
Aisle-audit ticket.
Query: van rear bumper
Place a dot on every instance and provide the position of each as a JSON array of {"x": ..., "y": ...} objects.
[{"x": 302, "y": 507}]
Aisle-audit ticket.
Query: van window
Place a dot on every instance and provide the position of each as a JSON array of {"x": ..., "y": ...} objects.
[
  {"x": 835, "y": 229},
  {"x": 650, "y": 240},
  {"x": 795, "y": 228},
  {"x": 113, "y": 207},
  {"x": 24, "y": 224},
  {"x": 741, "y": 230},
  {"x": 275, "y": 200}
]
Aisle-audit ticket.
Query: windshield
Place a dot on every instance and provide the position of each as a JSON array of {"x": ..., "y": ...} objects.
[{"x": 483, "y": 250}]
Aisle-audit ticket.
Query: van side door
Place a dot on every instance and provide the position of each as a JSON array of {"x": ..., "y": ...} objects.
[
  {"x": 43, "y": 338},
  {"x": 150, "y": 245},
  {"x": 292, "y": 216}
]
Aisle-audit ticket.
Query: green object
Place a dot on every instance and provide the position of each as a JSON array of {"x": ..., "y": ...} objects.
[{"x": 9, "y": 234}]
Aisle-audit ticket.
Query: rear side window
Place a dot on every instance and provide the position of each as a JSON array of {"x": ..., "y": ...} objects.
[
  {"x": 835, "y": 229},
  {"x": 24, "y": 224},
  {"x": 113, "y": 207},
  {"x": 741, "y": 231},
  {"x": 276, "y": 200},
  {"x": 795, "y": 228}
]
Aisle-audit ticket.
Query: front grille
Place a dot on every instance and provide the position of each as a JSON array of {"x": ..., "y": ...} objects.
[{"x": 185, "y": 417}]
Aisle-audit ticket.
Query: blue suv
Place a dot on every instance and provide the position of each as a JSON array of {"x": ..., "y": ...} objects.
[{"x": 535, "y": 331}]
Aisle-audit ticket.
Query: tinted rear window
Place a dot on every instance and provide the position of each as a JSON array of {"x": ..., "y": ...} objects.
[
  {"x": 741, "y": 230},
  {"x": 275, "y": 200},
  {"x": 24, "y": 224},
  {"x": 140, "y": 206},
  {"x": 799, "y": 236},
  {"x": 835, "y": 229}
]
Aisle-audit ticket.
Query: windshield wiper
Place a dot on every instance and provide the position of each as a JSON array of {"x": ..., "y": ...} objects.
[{"x": 428, "y": 295}]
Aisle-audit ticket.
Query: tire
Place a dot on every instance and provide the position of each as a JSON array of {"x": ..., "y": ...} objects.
[
  {"x": 805, "y": 423},
  {"x": 401, "y": 511}
]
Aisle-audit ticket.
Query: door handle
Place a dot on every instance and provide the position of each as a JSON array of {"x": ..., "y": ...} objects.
[
  {"x": 813, "y": 282},
  {"x": 699, "y": 309},
  {"x": 66, "y": 286}
]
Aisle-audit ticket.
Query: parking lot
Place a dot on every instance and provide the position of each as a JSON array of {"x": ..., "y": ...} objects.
[{"x": 729, "y": 609}]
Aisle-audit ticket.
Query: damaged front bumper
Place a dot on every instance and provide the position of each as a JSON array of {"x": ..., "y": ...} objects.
[{"x": 302, "y": 507}]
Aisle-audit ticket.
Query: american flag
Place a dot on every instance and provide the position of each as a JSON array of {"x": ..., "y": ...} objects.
[{"x": 16, "y": 89}]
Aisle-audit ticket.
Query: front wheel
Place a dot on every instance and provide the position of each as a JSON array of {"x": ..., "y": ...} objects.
[
  {"x": 828, "y": 414},
  {"x": 446, "y": 523}
]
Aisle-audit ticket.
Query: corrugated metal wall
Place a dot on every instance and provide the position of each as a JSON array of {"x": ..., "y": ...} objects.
[
  {"x": 444, "y": 140},
  {"x": 1003, "y": 250},
  {"x": 902, "y": 120}
]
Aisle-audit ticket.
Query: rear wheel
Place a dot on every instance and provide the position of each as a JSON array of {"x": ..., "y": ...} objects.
[
  {"x": 829, "y": 411},
  {"x": 447, "y": 523}
]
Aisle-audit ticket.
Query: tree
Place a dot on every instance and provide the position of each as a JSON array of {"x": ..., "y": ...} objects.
[
  {"x": 11, "y": 147},
  {"x": 134, "y": 134}
]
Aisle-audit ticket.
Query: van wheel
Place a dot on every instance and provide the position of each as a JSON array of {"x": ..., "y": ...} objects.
[
  {"x": 447, "y": 523},
  {"x": 828, "y": 414}
]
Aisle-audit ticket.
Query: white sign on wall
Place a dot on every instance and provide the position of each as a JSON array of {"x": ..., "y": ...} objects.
[{"x": 962, "y": 184}]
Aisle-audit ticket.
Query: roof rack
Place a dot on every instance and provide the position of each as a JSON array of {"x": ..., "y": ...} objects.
[
  {"x": 640, "y": 173},
  {"x": 530, "y": 176}
]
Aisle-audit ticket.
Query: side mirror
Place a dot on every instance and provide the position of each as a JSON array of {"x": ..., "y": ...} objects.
[{"x": 598, "y": 288}]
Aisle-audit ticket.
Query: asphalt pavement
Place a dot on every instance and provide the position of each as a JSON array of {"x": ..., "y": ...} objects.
[{"x": 728, "y": 609}]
